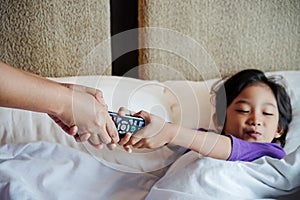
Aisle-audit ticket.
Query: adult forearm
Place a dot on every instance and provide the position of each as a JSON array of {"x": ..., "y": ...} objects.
[
  {"x": 77, "y": 109},
  {"x": 23, "y": 90}
]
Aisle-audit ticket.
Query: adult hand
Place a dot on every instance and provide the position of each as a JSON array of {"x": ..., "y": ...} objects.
[{"x": 100, "y": 129}]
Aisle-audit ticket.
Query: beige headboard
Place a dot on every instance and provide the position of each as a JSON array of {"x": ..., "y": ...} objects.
[
  {"x": 233, "y": 35},
  {"x": 56, "y": 38},
  {"x": 190, "y": 39}
]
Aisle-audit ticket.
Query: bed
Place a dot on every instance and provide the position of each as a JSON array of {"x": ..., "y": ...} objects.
[{"x": 39, "y": 161}]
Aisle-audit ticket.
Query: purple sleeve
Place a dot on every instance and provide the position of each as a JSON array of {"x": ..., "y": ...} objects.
[{"x": 249, "y": 151}]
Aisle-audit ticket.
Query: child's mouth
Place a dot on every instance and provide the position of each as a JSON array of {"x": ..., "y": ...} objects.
[{"x": 253, "y": 134}]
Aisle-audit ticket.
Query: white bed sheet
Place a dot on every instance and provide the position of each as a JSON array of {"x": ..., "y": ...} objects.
[
  {"x": 43, "y": 170},
  {"x": 207, "y": 178},
  {"x": 49, "y": 170}
]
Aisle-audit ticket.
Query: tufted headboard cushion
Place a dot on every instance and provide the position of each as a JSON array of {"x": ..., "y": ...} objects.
[
  {"x": 56, "y": 38},
  {"x": 194, "y": 40},
  {"x": 198, "y": 40}
]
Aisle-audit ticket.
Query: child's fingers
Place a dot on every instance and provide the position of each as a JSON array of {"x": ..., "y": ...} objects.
[
  {"x": 139, "y": 144},
  {"x": 145, "y": 115},
  {"x": 124, "y": 111},
  {"x": 136, "y": 138},
  {"x": 125, "y": 139},
  {"x": 127, "y": 148}
]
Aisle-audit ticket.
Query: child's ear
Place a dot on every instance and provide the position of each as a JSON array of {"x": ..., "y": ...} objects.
[
  {"x": 279, "y": 132},
  {"x": 218, "y": 127}
]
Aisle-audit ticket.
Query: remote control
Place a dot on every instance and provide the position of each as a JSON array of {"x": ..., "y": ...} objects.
[{"x": 127, "y": 123}]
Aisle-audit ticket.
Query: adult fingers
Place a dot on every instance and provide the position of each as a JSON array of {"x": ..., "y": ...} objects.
[
  {"x": 112, "y": 131},
  {"x": 82, "y": 137},
  {"x": 111, "y": 146},
  {"x": 95, "y": 141},
  {"x": 73, "y": 130},
  {"x": 62, "y": 125}
]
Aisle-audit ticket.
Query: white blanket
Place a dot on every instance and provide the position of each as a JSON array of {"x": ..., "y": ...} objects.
[
  {"x": 191, "y": 177},
  {"x": 48, "y": 171}
]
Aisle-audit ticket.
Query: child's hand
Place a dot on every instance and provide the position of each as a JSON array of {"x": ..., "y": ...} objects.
[{"x": 156, "y": 133}]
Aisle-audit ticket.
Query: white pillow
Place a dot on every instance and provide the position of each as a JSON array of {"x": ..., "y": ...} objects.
[
  {"x": 292, "y": 86},
  {"x": 190, "y": 103}
]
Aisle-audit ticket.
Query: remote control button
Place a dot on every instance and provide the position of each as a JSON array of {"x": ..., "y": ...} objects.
[
  {"x": 130, "y": 121},
  {"x": 132, "y": 129},
  {"x": 123, "y": 127},
  {"x": 118, "y": 119},
  {"x": 141, "y": 124},
  {"x": 128, "y": 127}
]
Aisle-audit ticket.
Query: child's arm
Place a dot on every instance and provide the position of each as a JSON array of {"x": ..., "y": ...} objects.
[
  {"x": 206, "y": 143},
  {"x": 158, "y": 133}
]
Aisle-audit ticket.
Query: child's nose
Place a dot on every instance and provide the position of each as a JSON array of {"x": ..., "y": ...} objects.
[
  {"x": 255, "y": 120},
  {"x": 255, "y": 123}
]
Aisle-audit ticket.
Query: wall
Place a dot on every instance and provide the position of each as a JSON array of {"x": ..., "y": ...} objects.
[
  {"x": 233, "y": 35},
  {"x": 56, "y": 38}
]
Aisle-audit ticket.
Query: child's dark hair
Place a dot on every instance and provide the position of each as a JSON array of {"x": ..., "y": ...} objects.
[{"x": 225, "y": 93}]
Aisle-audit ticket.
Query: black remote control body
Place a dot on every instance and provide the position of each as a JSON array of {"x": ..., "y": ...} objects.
[{"x": 127, "y": 123}]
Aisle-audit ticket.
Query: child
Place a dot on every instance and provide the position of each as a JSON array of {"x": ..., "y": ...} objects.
[{"x": 252, "y": 114}]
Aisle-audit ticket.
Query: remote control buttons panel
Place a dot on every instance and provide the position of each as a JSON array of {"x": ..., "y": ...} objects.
[{"x": 127, "y": 124}]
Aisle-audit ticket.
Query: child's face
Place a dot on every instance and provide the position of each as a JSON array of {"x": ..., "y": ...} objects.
[{"x": 253, "y": 115}]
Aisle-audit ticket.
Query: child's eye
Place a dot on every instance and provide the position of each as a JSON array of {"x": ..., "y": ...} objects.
[
  {"x": 266, "y": 113},
  {"x": 242, "y": 111}
]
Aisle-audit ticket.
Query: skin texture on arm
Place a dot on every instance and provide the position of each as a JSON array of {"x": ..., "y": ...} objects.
[
  {"x": 158, "y": 133},
  {"x": 68, "y": 105},
  {"x": 25, "y": 91},
  {"x": 206, "y": 143}
]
